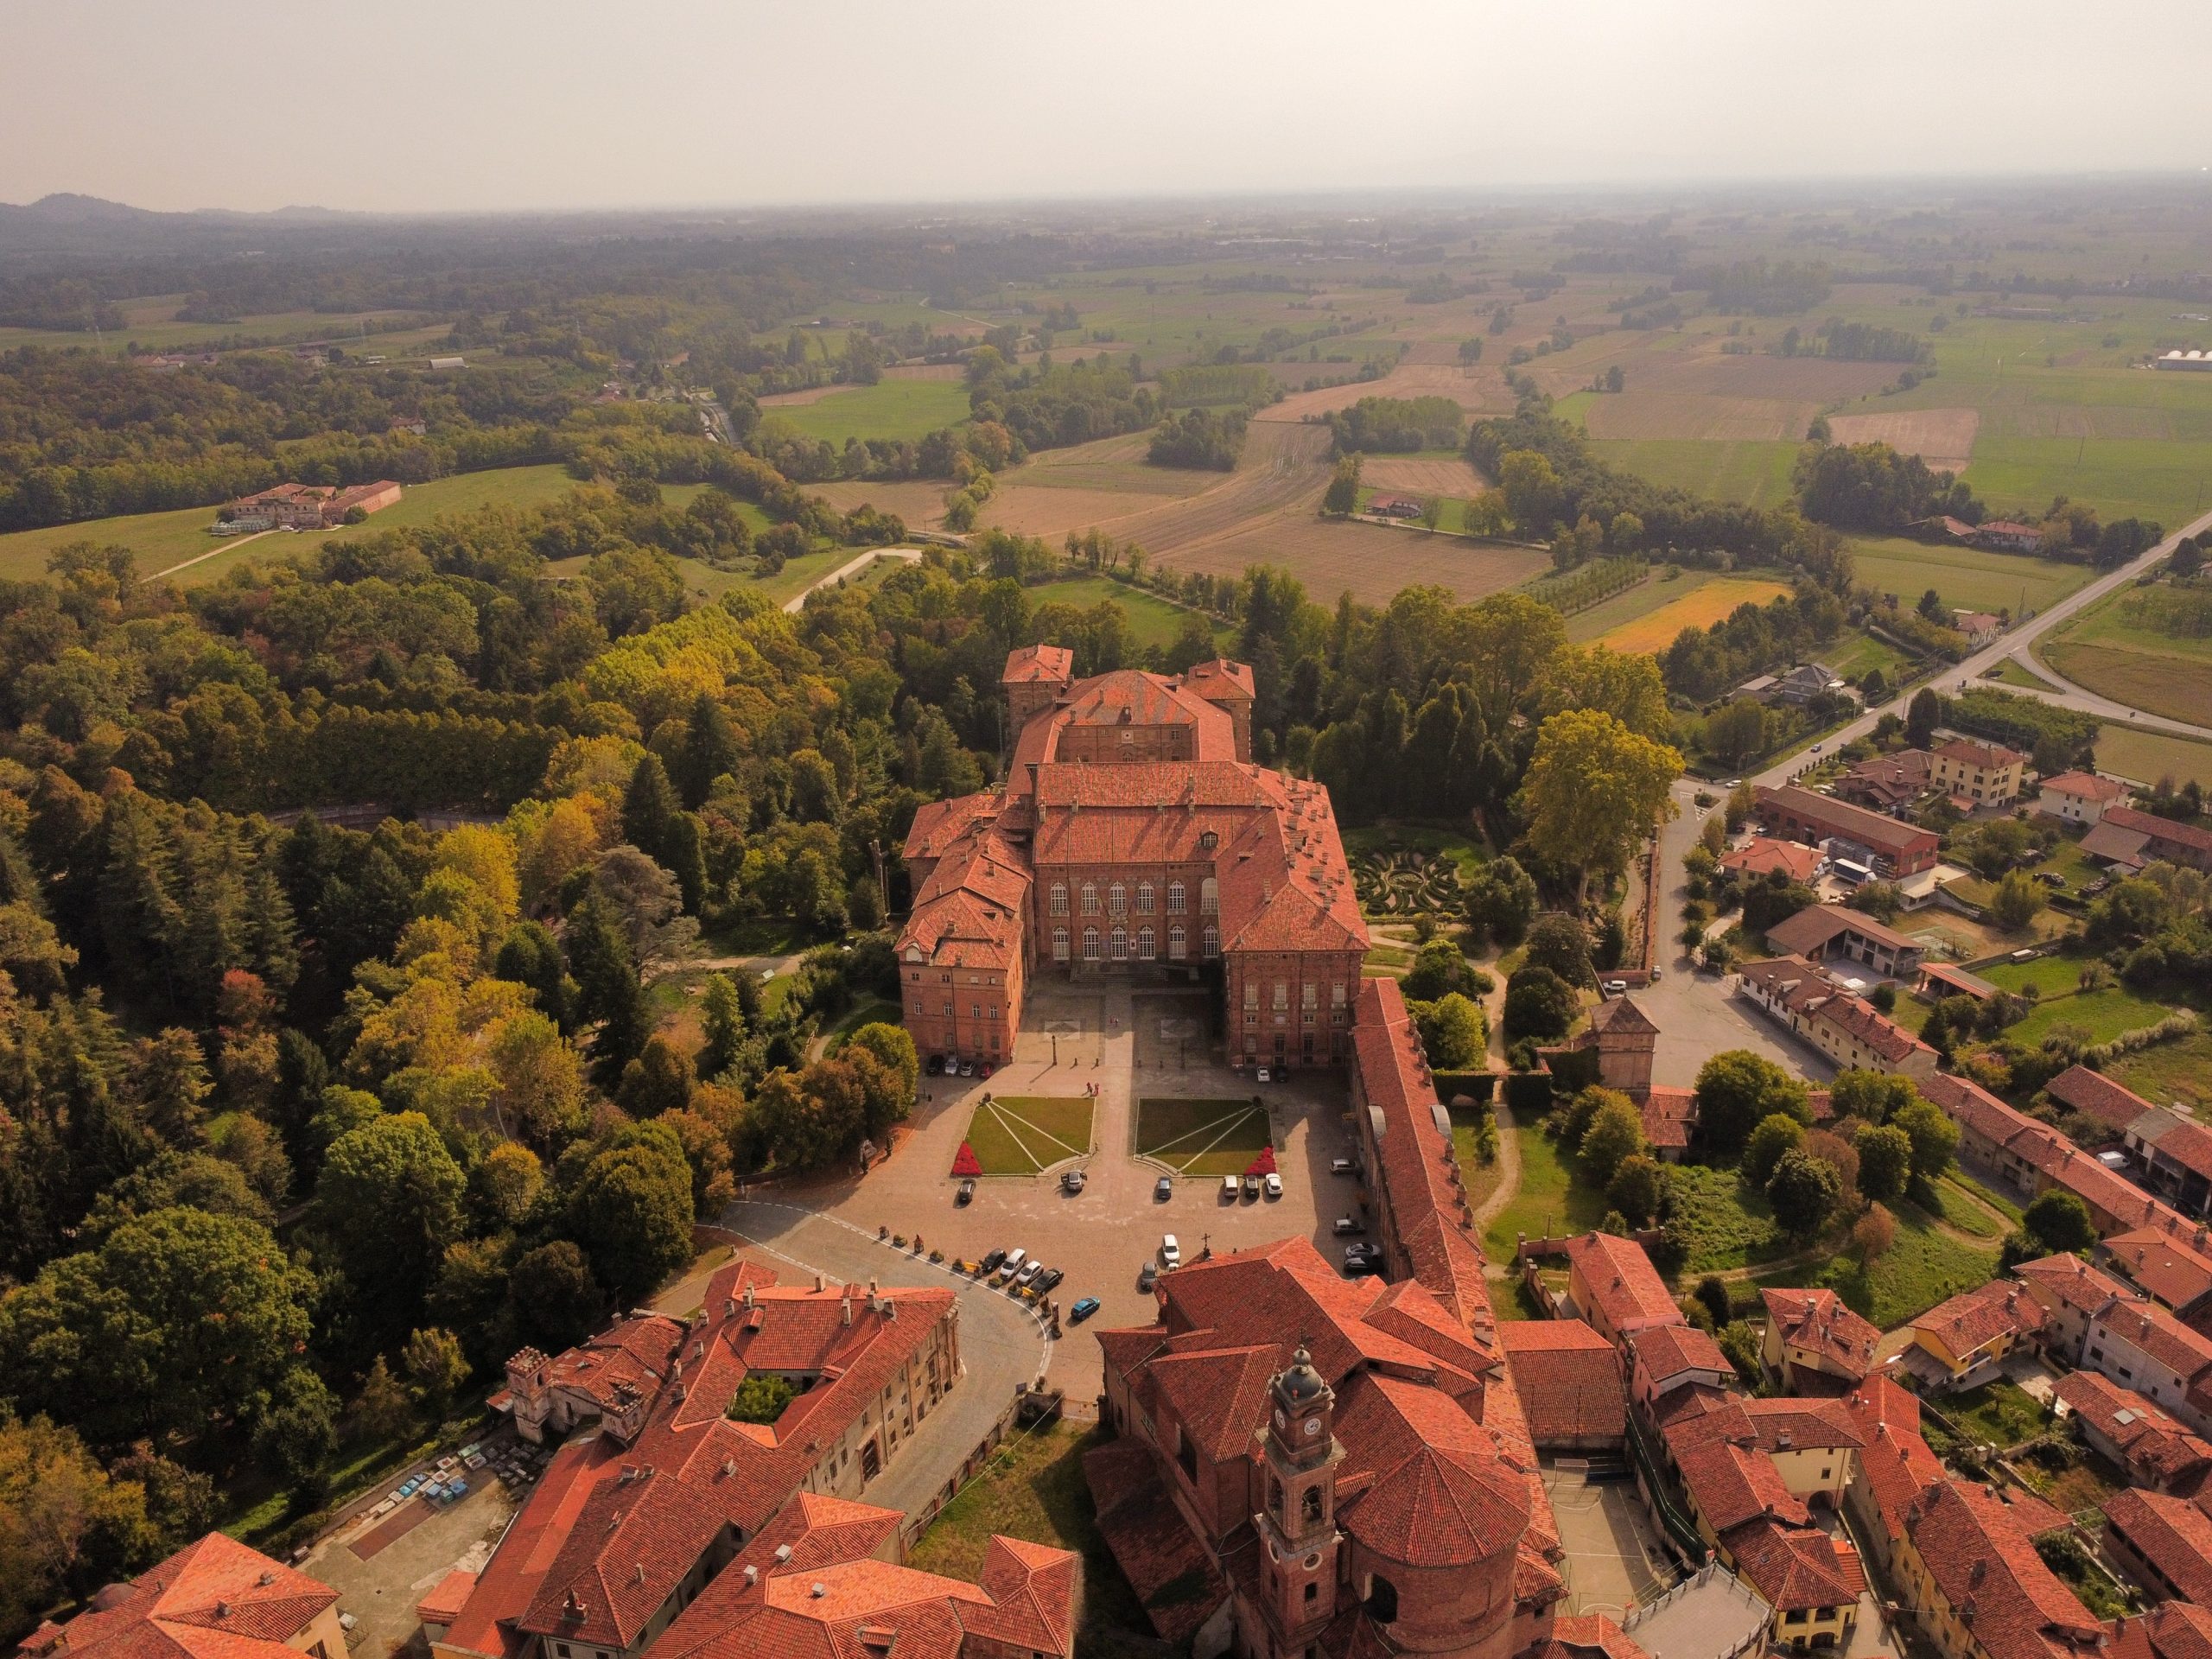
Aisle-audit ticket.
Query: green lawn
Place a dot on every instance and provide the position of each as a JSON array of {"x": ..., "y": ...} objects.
[
  {"x": 1033, "y": 1488},
  {"x": 2103, "y": 1013},
  {"x": 888, "y": 410},
  {"x": 1632, "y": 603},
  {"x": 2111, "y": 649},
  {"x": 2147, "y": 757},
  {"x": 1547, "y": 1202},
  {"x": 1730, "y": 1223},
  {"x": 871, "y": 1012},
  {"x": 1857, "y": 652},
  {"x": 2014, "y": 671},
  {"x": 1752, "y": 471},
  {"x": 2170, "y": 1074},
  {"x": 1970, "y": 1208},
  {"x": 800, "y": 574},
  {"x": 1923, "y": 1267},
  {"x": 162, "y": 539},
  {"x": 1200, "y": 1137},
  {"x": 1152, "y": 621},
  {"x": 1997, "y": 1413},
  {"x": 1021, "y": 1134},
  {"x": 1967, "y": 578}
]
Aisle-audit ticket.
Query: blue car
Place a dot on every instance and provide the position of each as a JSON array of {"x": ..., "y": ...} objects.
[{"x": 1083, "y": 1310}]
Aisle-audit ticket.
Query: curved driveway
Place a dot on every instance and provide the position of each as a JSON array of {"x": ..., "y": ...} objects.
[
  {"x": 2015, "y": 644},
  {"x": 1003, "y": 1346}
]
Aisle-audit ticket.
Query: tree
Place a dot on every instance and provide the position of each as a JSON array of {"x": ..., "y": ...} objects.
[
  {"x": 382, "y": 1412},
  {"x": 1501, "y": 900},
  {"x": 1884, "y": 1162},
  {"x": 2017, "y": 901},
  {"x": 177, "y": 1318},
  {"x": 1804, "y": 1191},
  {"x": 1874, "y": 1096},
  {"x": 1593, "y": 789},
  {"x": 1777, "y": 1134},
  {"x": 760, "y": 1399},
  {"x": 504, "y": 1185},
  {"x": 1741, "y": 1344},
  {"x": 1711, "y": 1293},
  {"x": 1872, "y": 1235},
  {"x": 1539, "y": 1004},
  {"x": 630, "y": 1213},
  {"x": 1343, "y": 493},
  {"x": 389, "y": 1201},
  {"x": 1471, "y": 353},
  {"x": 1922, "y": 715},
  {"x": 1931, "y": 605},
  {"x": 1934, "y": 1137},
  {"x": 1453, "y": 1031},
  {"x": 67, "y": 1526},
  {"x": 2059, "y": 1223},
  {"x": 1736, "y": 731},
  {"x": 556, "y": 1302},
  {"x": 722, "y": 1016},
  {"x": 1639, "y": 1189},
  {"x": 530, "y": 955},
  {"x": 434, "y": 1365},
  {"x": 1615, "y": 1134},
  {"x": 607, "y": 989},
  {"x": 1736, "y": 1089},
  {"x": 1439, "y": 966},
  {"x": 658, "y": 1080},
  {"x": 893, "y": 1047},
  {"x": 1562, "y": 944},
  {"x": 295, "y": 1433}
]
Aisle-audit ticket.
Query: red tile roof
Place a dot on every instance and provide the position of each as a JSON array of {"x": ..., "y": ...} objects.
[
  {"x": 1796, "y": 1567},
  {"x": 1025, "y": 664},
  {"x": 1669, "y": 1115},
  {"x": 1593, "y": 1636},
  {"x": 2163, "y": 832},
  {"x": 1570, "y": 1378},
  {"x": 1814, "y": 927},
  {"x": 2096, "y": 1095},
  {"x": 2068, "y": 1281},
  {"x": 2172, "y": 1629},
  {"x": 2181, "y": 1351},
  {"x": 2155, "y": 1444},
  {"x": 1981, "y": 1556},
  {"x": 1764, "y": 854},
  {"x": 2175, "y": 1271},
  {"x": 213, "y": 1600},
  {"x": 2171, "y": 1533},
  {"x": 1895, "y": 1462},
  {"x": 1787, "y": 1423},
  {"x": 510, "y": 1581},
  {"x": 1817, "y": 1320},
  {"x": 2041, "y": 1147},
  {"x": 1856, "y": 823},
  {"x": 1973, "y": 1318},
  {"x": 1991, "y": 757},
  {"x": 443, "y": 1604},
  {"x": 1151, "y": 1540},
  {"x": 1623, "y": 1282},
  {"x": 1664, "y": 1351},
  {"x": 1731, "y": 1482},
  {"x": 2087, "y": 786},
  {"x": 1807, "y": 989}
]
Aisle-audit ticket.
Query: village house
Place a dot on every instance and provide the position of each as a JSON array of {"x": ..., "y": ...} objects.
[
  {"x": 1896, "y": 1463},
  {"x": 1887, "y": 782},
  {"x": 2127, "y": 839},
  {"x": 1814, "y": 1343},
  {"x": 1797, "y": 687},
  {"x": 1981, "y": 627},
  {"x": 1613, "y": 1285},
  {"x": 1833, "y": 932},
  {"x": 1569, "y": 1381},
  {"x": 2173, "y": 1269},
  {"x": 1978, "y": 774},
  {"x": 2165, "y": 1543},
  {"x": 1808, "y": 1001},
  {"x": 2079, "y": 797},
  {"x": 2071, "y": 1293},
  {"x": 2030, "y": 1157},
  {"x": 1134, "y": 838},
  {"x": 2175, "y": 1155},
  {"x": 2136, "y": 1433},
  {"x": 1962, "y": 1343},
  {"x": 1667, "y": 1359},
  {"x": 1763, "y": 855},
  {"x": 2140, "y": 1345},
  {"x": 1966, "y": 1565},
  {"x": 2171, "y": 1629},
  {"x": 666, "y": 1511},
  {"x": 2007, "y": 535},
  {"x": 308, "y": 506},
  {"x": 213, "y": 1600},
  {"x": 1885, "y": 845}
]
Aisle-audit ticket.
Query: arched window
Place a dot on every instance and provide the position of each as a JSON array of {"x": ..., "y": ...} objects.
[
  {"x": 1059, "y": 945},
  {"x": 1175, "y": 942},
  {"x": 1174, "y": 898},
  {"x": 1146, "y": 940},
  {"x": 1091, "y": 944},
  {"x": 1311, "y": 1508},
  {"x": 1060, "y": 898},
  {"x": 1213, "y": 940},
  {"x": 1209, "y": 897},
  {"x": 1121, "y": 944},
  {"x": 1381, "y": 1601},
  {"x": 1144, "y": 898},
  {"x": 1090, "y": 899},
  {"x": 1117, "y": 899}
]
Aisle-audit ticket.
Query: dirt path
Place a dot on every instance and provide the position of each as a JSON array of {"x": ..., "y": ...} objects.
[
  {"x": 220, "y": 547},
  {"x": 852, "y": 566},
  {"x": 1509, "y": 1170}
]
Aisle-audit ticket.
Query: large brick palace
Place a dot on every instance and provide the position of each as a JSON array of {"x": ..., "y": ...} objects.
[{"x": 1133, "y": 834}]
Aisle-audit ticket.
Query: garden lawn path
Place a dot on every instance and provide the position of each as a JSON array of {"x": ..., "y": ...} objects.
[{"x": 1508, "y": 1177}]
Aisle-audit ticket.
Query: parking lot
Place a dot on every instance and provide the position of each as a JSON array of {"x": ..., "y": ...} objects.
[{"x": 1133, "y": 1044}]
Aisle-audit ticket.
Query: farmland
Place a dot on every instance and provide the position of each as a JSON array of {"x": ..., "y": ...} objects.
[
  {"x": 151, "y": 325},
  {"x": 2109, "y": 648},
  {"x": 1967, "y": 578},
  {"x": 2148, "y": 756},
  {"x": 1700, "y": 608},
  {"x": 890, "y": 409},
  {"x": 1753, "y": 471}
]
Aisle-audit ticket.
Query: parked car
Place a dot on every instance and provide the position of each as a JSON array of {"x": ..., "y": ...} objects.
[
  {"x": 1262, "y": 1075},
  {"x": 1013, "y": 1264},
  {"x": 986, "y": 1070},
  {"x": 936, "y": 1067},
  {"x": 1028, "y": 1275},
  {"x": 1273, "y": 1185},
  {"x": 1341, "y": 1166},
  {"x": 991, "y": 1261},
  {"x": 1345, "y": 1224},
  {"x": 1171, "y": 1252},
  {"x": 1162, "y": 1190},
  {"x": 1229, "y": 1188},
  {"x": 1085, "y": 1307},
  {"x": 965, "y": 1194},
  {"x": 1047, "y": 1280},
  {"x": 1148, "y": 1276},
  {"x": 1616, "y": 988},
  {"x": 2050, "y": 878},
  {"x": 1360, "y": 1267},
  {"x": 1251, "y": 1188},
  {"x": 1072, "y": 1180},
  {"x": 966, "y": 1068}
]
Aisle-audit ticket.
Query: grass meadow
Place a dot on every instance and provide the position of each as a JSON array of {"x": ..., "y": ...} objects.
[
  {"x": 1018, "y": 1135},
  {"x": 1967, "y": 578},
  {"x": 2147, "y": 757},
  {"x": 2108, "y": 650},
  {"x": 1152, "y": 621},
  {"x": 887, "y": 409}
]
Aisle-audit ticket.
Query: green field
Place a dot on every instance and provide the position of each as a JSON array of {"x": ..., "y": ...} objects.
[
  {"x": 150, "y": 324},
  {"x": 2176, "y": 1074},
  {"x": 1201, "y": 1137},
  {"x": 1152, "y": 621},
  {"x": 1924, "y": 1266},
  {"x": 163, "y": 539},
  {"x": 1640, "y": 600},
  {"x": 1549, "y": 1202},
  {"x": 2104, "y": 1014},
  {"x": 1967, "y": 578},
  {"x": 1857, "y": 652},
  {"x": 887, "y": 409},
  {"x": 2110, "y": 650},
  {"x": 2014, "y": 671},
  {"x": 2147, "y": 757},
  {"x": 1021, "y": 1134},
  {"x": 1752, "y": 471}
]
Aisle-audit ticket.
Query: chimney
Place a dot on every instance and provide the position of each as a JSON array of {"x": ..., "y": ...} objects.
[
  {"x": 748, "y": 1289},
  {"x": 846, "y": 1304},
  {"x": 752, "y": 1573},
  {"x": 818, "y": 1590},
  {"x": 783, "y": 1554},
  {"x": 818, "y": 1284}
]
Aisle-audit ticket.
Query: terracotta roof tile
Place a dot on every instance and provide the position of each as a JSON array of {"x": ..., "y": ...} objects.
[
  {"x": 1896, "y": 1460},
  {"x": 2096, "y": 1095},
  {"x": 1795, "y": 1568},
  {"x": 2176, "y": 1271},
  {"x": 1976, "y": 1317},
  {"x": 1664, "y": 1351},
  {"x": 2157, "y": 1447},
  {"x": 1569, "y": 1379},
  {"x": 1622, "y": 1280},
  {"x": 1817, "y": 1320},
  {"x": 2173, "y": 1534},
  {"x": 214, "y": 1598},
  {"x": 1981, "y": 1556}
]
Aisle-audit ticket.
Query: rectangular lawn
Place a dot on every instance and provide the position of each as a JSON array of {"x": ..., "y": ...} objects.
[
  {"x": 1201, "y": 1137},
  {"x": 1021, "y": 1134}
]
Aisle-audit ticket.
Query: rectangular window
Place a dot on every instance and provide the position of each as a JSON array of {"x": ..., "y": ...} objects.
[
  {"x": 1251, "y": 994},
  {"x": 1309, "y": 994},
  {"x": 1282, "y": 993}
]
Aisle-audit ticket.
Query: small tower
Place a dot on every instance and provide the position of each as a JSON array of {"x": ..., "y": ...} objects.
[
  {"x": 1036, "y": 677},
  {"x": 1297, "y": 1526}
]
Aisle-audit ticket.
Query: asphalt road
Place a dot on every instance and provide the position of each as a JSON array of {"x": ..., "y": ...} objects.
[
  {"x": 2015, "y": 643},
  {"x": 1001, "y": 1345}
]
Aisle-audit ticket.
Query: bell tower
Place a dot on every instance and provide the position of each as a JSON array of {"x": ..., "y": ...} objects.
[{"x": 1298, "y": 1527}]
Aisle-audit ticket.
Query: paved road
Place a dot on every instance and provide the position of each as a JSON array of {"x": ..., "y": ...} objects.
[
  {"x": 2070, "y": 696},
  {"x": 852, "y": 566},
  {"x": 2015, "y": 644},
  {"x": 1001, "y": 1345}
]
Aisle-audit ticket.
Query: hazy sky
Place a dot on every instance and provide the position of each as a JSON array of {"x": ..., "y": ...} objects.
[{"x": 501, "y": 103}]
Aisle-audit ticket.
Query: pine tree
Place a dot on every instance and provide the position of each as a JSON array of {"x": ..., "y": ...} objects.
[
  {"x": 271, "y": 934},
  {"x": 723, "y": 1013},
  {"x": 170, "y": 1081},
  {"x": 648, "y": 809},
  {"x": 710, "y": 749},
  {"x": 607, "y": 987}
]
